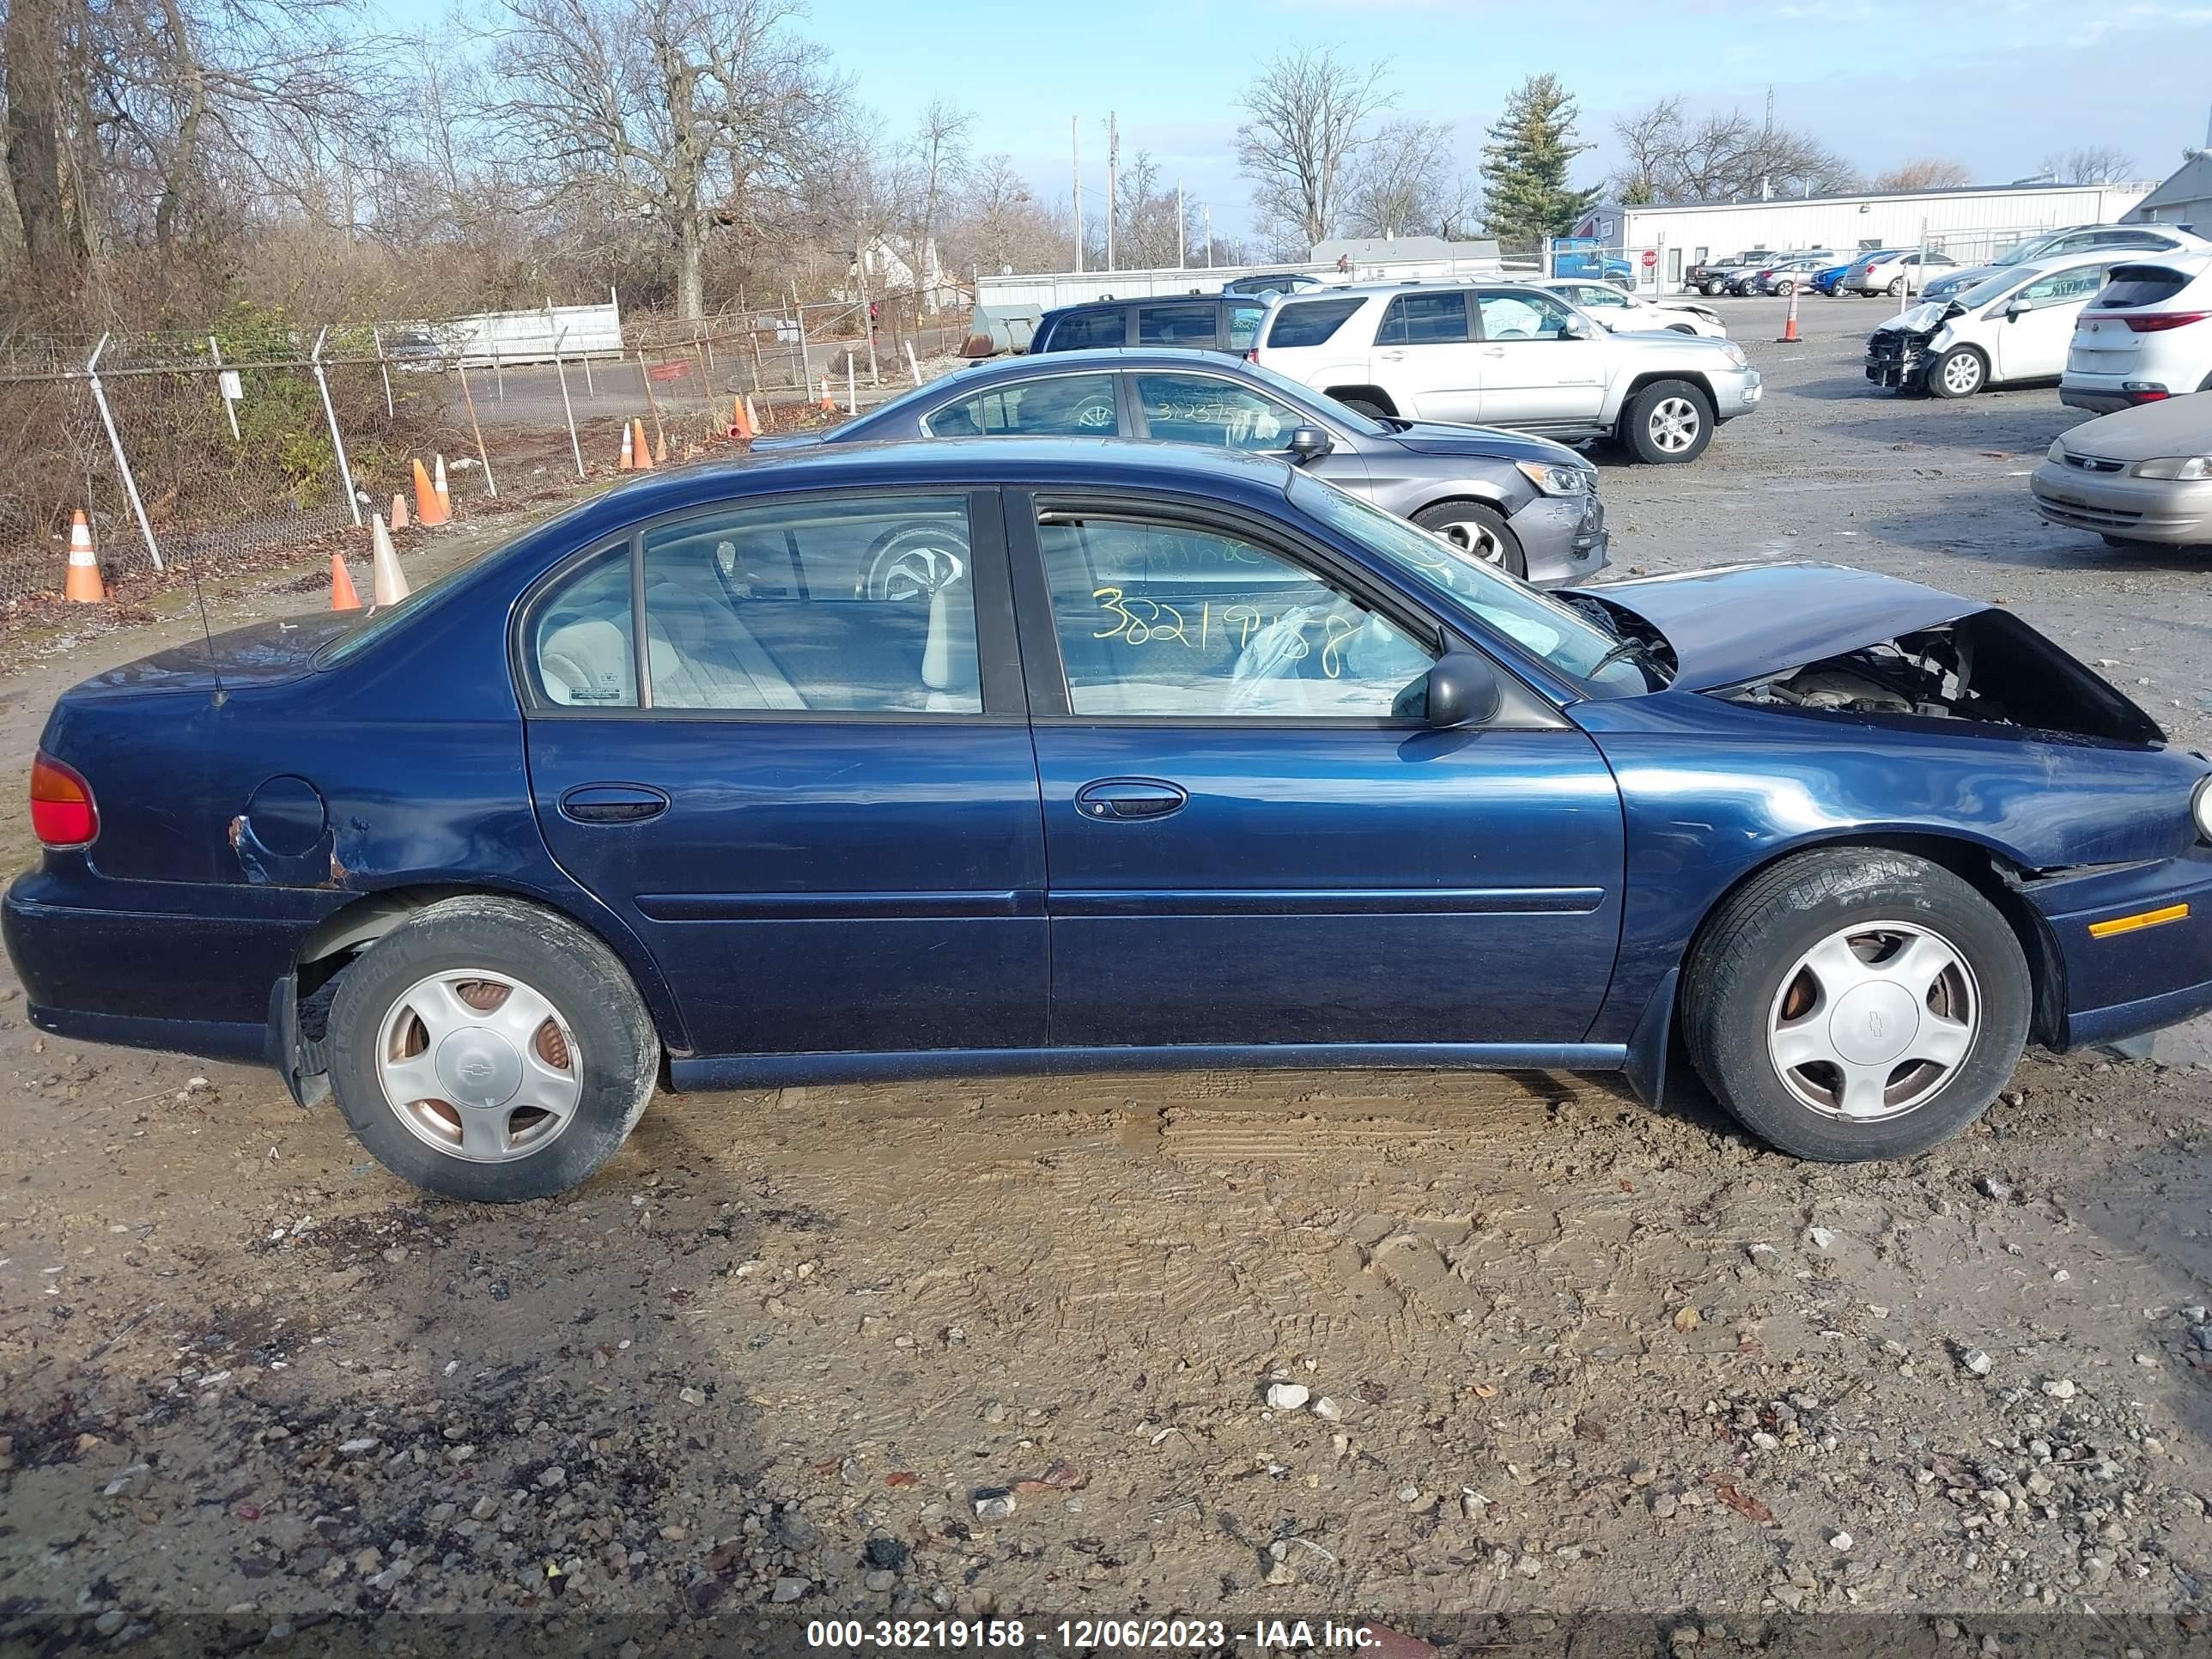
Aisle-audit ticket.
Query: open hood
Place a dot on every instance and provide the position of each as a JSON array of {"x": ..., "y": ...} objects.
[{"x": 1737, "y": 621}]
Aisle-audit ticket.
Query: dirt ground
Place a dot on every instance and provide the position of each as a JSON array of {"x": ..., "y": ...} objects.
[{"x": 1569, "y": 1373}]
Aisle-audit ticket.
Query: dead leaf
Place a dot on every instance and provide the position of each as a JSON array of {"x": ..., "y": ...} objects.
[
  {"x": 1483, "y": 1391},
  {"x": 1742, "y": 1501},
  {"x": 1686, "y": 1318},
  {"x": 1590, "y": 1429},
  {"x": 902, "y": 1478}
]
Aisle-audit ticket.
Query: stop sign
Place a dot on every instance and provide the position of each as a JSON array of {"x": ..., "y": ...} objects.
[{"x": 1650, "y": 257}]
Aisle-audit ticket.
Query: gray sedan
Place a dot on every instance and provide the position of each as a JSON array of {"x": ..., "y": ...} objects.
[{"x": 1528, "y": 504}]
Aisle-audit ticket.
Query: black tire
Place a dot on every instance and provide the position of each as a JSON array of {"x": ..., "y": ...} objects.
[
  {"x": 616, "y": 1048},
  {"x": 1939, "y": 381},
  {"x": 1711, "y": 291},
  {"x": 1644, "y": 413},
  {"x": 1896, "y": 288},
  {"x": 1735, "y": 979},
  {"x": 1441, "y": 514},
  {"x": 1784, "y": 289},
  {"x": 1367, "y": 406}
]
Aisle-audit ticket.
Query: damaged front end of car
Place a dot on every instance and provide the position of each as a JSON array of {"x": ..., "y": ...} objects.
[
  {"x": 1899, "y": 353},
  {"x": 1987, "y": 667}
]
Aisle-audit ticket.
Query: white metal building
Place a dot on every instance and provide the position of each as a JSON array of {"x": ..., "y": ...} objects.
[
  {"x": 1969, "y": 223},
  {"x": 1365, "y": 259}
]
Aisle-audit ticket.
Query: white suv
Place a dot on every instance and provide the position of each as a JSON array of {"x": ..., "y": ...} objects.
[
  {"x": 2148, "y": 335},
  {"x": 1505, "y": 354}
]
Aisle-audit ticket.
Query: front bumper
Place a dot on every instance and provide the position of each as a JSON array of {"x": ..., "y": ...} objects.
[
  {"x": 1896, "y": 359},
  {"x": 1737, "y": 394},
  {"x": 2174, "y": 512},
  {"x": 2147, "y": 963},
  {"x": 1563, "y": 538}
]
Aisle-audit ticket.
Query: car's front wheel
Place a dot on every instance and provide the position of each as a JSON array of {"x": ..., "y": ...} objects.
[
  {"x": 489, "y": 1050},
  {"x": 1856, "y": 1003},
  {"x": 1669, "y": 421},
  {"x": 1479, "y": 530},
  {"x": 1959, "y": 373},
  {"x": 1783, "y": 290}
]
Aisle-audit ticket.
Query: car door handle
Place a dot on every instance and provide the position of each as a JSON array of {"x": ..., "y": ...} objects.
[
  {"x": 1392, "y": 356},
  {"x": 613, "y": 803},
  {"x": 1494, "y": 351},
  {"x": 1129, "y": 798}
]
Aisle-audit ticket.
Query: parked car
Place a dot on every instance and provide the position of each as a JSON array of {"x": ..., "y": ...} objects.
[
  {"x": 1620, "y": 310},
  {"x": 927, "y": 759},
  {"x": 2143, "y": 476},
  {"x": 1824, "y": 280},
  {"x": 1896, "y": 272},
  {"x": 1510, "y": 355},
  {"x": 1204, "y": 322},
  {"x": 1280, "y": 281},
  {"x": 1587, "y": 257},
  {"x": 2074, "y": 239},
  {"x": 1525, "y": 503},
  {"x": 1710, "y": 278},
  {"x": 2147, "y": 336},
  {"x": 1788, "y": 277},
  {"x": 416, "y": 351},
  {"x": 2013, "y": 325}
]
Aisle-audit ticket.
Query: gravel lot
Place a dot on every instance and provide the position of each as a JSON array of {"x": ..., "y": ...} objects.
[{"x": 1568, "y": 1372}]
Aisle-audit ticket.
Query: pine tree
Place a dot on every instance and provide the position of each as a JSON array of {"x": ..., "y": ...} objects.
[{"x": 1524, "y": 166}]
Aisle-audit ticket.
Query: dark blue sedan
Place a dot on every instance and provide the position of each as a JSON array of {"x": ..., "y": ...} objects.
[{"x": 976, "y": 757}]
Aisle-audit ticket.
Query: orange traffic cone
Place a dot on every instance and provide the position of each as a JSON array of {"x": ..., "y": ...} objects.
[
  {"x": 740, "y": 426},
  {"x": 445, "y": 498},
  {"x": 83, "y": 584},
  {"x": 343, "y": 598},
  {"x": 828, "y": 404},
  {"x": 388, "y": 585},
  {"x": 629, "y": 461},
  {"x": 1789, "y": 336},
  {"x": 639, "y": 448},
  {"x": 428, "y": 513},
  {"x": 399, "y": 511}
]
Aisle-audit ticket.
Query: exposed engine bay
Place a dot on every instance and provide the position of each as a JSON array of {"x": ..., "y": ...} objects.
[{"x": 1987, "y": 667}]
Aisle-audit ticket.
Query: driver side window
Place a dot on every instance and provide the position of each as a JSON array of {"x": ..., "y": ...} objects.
[
  {"x": 1522, "y": 317},
  {"x": 1160, "y": 619},
  {"x": 1198, "y": 409},
  {"x": 2062, "y": 287}
]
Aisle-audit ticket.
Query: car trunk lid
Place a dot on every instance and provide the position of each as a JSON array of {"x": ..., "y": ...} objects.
[{"x": 266, "y": 654}]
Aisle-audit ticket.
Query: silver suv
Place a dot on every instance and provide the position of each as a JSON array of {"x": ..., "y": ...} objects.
[{"x": 1506, "y": 353}]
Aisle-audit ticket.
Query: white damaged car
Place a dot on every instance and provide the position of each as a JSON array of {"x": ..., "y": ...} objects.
[{"x": 2010, "y": 327}]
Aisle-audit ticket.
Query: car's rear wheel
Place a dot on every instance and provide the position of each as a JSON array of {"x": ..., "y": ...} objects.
[
  {"x": 1856, "y": 1003},
  {"x": 1480, "y": 530},
  {"x": 1669, "y": 421},
  {"x": 1959, "y": 373},
  {"x": 1896, "y": 288},
  {"x": 1785, "y": 289},
  {"x": 489, "y": 1050}
]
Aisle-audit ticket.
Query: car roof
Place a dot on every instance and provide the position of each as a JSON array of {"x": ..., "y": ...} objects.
[
  {"x": 1138, "y": 300},
  {"x": 1093, "y": 358},
  {"x": 2180, "y": 262}
]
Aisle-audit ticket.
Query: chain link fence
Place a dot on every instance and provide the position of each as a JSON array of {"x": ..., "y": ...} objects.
[{"x": 255, "y": 443}]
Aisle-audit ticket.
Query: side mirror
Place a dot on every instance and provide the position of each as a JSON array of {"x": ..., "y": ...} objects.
[
  {"x": 1578, "y": 328},
  {"x": 1462, "y": 690},
  {"x": 2016, "y": 310},
  {"x": 1309, "y": 443}
]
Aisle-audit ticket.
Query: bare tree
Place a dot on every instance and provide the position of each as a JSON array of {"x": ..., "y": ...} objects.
[
  {"x": 1649, "y": 139},
  {"x": 936, "y": 163},
  {"x": 679, "y": 108},
  {"x": 2093, "y": 164},
  {"x": 998, "y": 222},
  {"x": 1721, "y": 156},
  {"x": 1404, "y": 181},
  {"x": 1307, "y": 119},
  {"x": 1923, "y": 172}
]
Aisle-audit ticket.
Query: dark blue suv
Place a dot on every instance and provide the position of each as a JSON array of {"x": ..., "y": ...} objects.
[{"x": 1202, "y": 322}]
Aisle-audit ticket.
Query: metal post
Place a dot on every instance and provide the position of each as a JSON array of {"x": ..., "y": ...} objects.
[
  {"x": 491, "y": 484},
  {"x": 660, "y": 432},
  {"x": 575, "y": 448},
  {"x": 752, "y": 333},
  {"x": 913, "y": 366},
  {"x": 1181, "y": 259},
  {"x": 230, "y": 408},
  {"x": 1209, "y": 236},
  {"x": 867, "y": 323},
  {"x": 1113, "y": 166},
  {"x": 1904, "y": 288},
  {"x": 376, "y": 334},
  {"x": 122, "y": 461},
  {"x": 1075, "y": 136},
  {"x": 498, "y": 371},
  {"x": 852, "y": 398},
  {"x": 338, "y": 438},
  {"x": 805, "y": 369}
]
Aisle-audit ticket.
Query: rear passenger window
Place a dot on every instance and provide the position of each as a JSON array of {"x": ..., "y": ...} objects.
[
  {"x": 1110, "y": 327},
  {"x": 582, "y": 639},
  {"x": 1310, "y": 322},
  {"x": 1060, "y": 404},
  {"x": 1176, "y": 325},
  {"x": 1244, "y": 325},
  {"x": 838, "y": 606},
  {"x": 1424, "y": 319}
]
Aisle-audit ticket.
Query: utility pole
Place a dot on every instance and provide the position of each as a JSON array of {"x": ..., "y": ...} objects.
[
  {"x": 1113, "y": 169},
  {"x": 1181, "y": 255},
  {"x": 1209, "y": 236},
  {"x": 1075, "y": 134}
]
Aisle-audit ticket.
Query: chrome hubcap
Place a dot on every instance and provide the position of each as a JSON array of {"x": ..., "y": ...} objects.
[
  {"x": 479, "y": 1066},
  {"x": 1674, "y": 424},
  {"x": 1874, "y": 1020},
  {"x": 1474, "y": 537}
]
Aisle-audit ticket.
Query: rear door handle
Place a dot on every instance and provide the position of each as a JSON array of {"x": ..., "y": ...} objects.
[
  {"x": 1129, "y": 800},
  {"x": 613, "y": 803},
  {"x": 1392, "y": 356}
]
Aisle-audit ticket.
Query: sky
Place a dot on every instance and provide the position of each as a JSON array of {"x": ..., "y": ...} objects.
[{"x": 1995, "y": 84}]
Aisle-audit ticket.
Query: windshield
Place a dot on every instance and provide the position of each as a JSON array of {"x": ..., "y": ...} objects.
[
  {"x": 1542, "y": 626},
  {"x": 1297, "y": 392},
  {"x": 1990, "y": 287}
]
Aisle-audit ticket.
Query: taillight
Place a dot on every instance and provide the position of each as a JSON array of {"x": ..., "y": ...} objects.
[
  {"x": 62, "y": 810},
  {"x": 1252, "y": 356},
  {"x": 2158, "y": 322}
]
